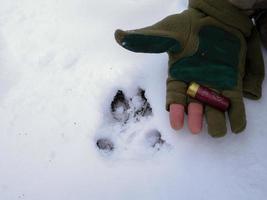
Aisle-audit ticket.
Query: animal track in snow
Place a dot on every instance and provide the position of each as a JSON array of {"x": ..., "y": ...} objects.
[{"x": 128, "y": 127}]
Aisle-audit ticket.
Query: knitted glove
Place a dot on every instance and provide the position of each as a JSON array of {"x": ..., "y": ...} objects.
[{"x": 206, "y": 44}]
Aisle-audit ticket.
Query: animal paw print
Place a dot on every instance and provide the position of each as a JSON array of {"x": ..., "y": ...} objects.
[{"x": 131, "y": 128}]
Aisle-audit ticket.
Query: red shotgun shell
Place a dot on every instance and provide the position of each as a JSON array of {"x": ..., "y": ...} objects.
[{"x": 208, "y": 96}]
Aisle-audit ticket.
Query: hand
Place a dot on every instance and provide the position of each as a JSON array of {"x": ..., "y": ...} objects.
[{"x": 208, "y": 46}]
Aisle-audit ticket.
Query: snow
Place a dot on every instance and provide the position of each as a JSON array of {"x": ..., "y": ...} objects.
[{"x": 59, "y": 70}]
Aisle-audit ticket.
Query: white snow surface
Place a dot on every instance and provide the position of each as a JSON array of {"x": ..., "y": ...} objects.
[{"x": 59, "y": 70}]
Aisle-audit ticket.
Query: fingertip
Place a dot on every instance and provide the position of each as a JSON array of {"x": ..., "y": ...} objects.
[
  {"x": 195, "y": 117},
  {"x": 177, "y": 116},
  {"x": 119, "y": 35}
]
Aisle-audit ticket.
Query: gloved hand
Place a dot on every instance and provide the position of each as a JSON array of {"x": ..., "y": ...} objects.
[{"x": 207, "y": 44}]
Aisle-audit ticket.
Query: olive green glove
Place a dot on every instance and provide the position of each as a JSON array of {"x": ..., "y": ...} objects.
[
  {"x": 254, "y": 72},
  {"x": 207, "y": 44}
]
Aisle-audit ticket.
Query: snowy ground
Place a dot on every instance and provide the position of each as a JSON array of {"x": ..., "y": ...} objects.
[{"x": 59, "y": 70}]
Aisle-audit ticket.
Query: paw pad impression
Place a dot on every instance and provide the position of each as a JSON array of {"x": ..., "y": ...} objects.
[{"x": 129, "y": 123}]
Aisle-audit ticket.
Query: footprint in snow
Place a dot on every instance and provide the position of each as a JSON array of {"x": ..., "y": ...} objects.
[{"x": 129, "y": 126}]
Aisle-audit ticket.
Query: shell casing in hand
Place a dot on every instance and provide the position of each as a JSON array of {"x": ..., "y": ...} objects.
[{"x": 208, "y": 96}]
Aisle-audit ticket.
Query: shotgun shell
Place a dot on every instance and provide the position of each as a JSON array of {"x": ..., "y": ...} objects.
[{"x": 208, "y": 96}]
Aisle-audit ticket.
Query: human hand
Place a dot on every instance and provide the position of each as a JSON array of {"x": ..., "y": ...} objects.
[{"x": 208, "y": 46}]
